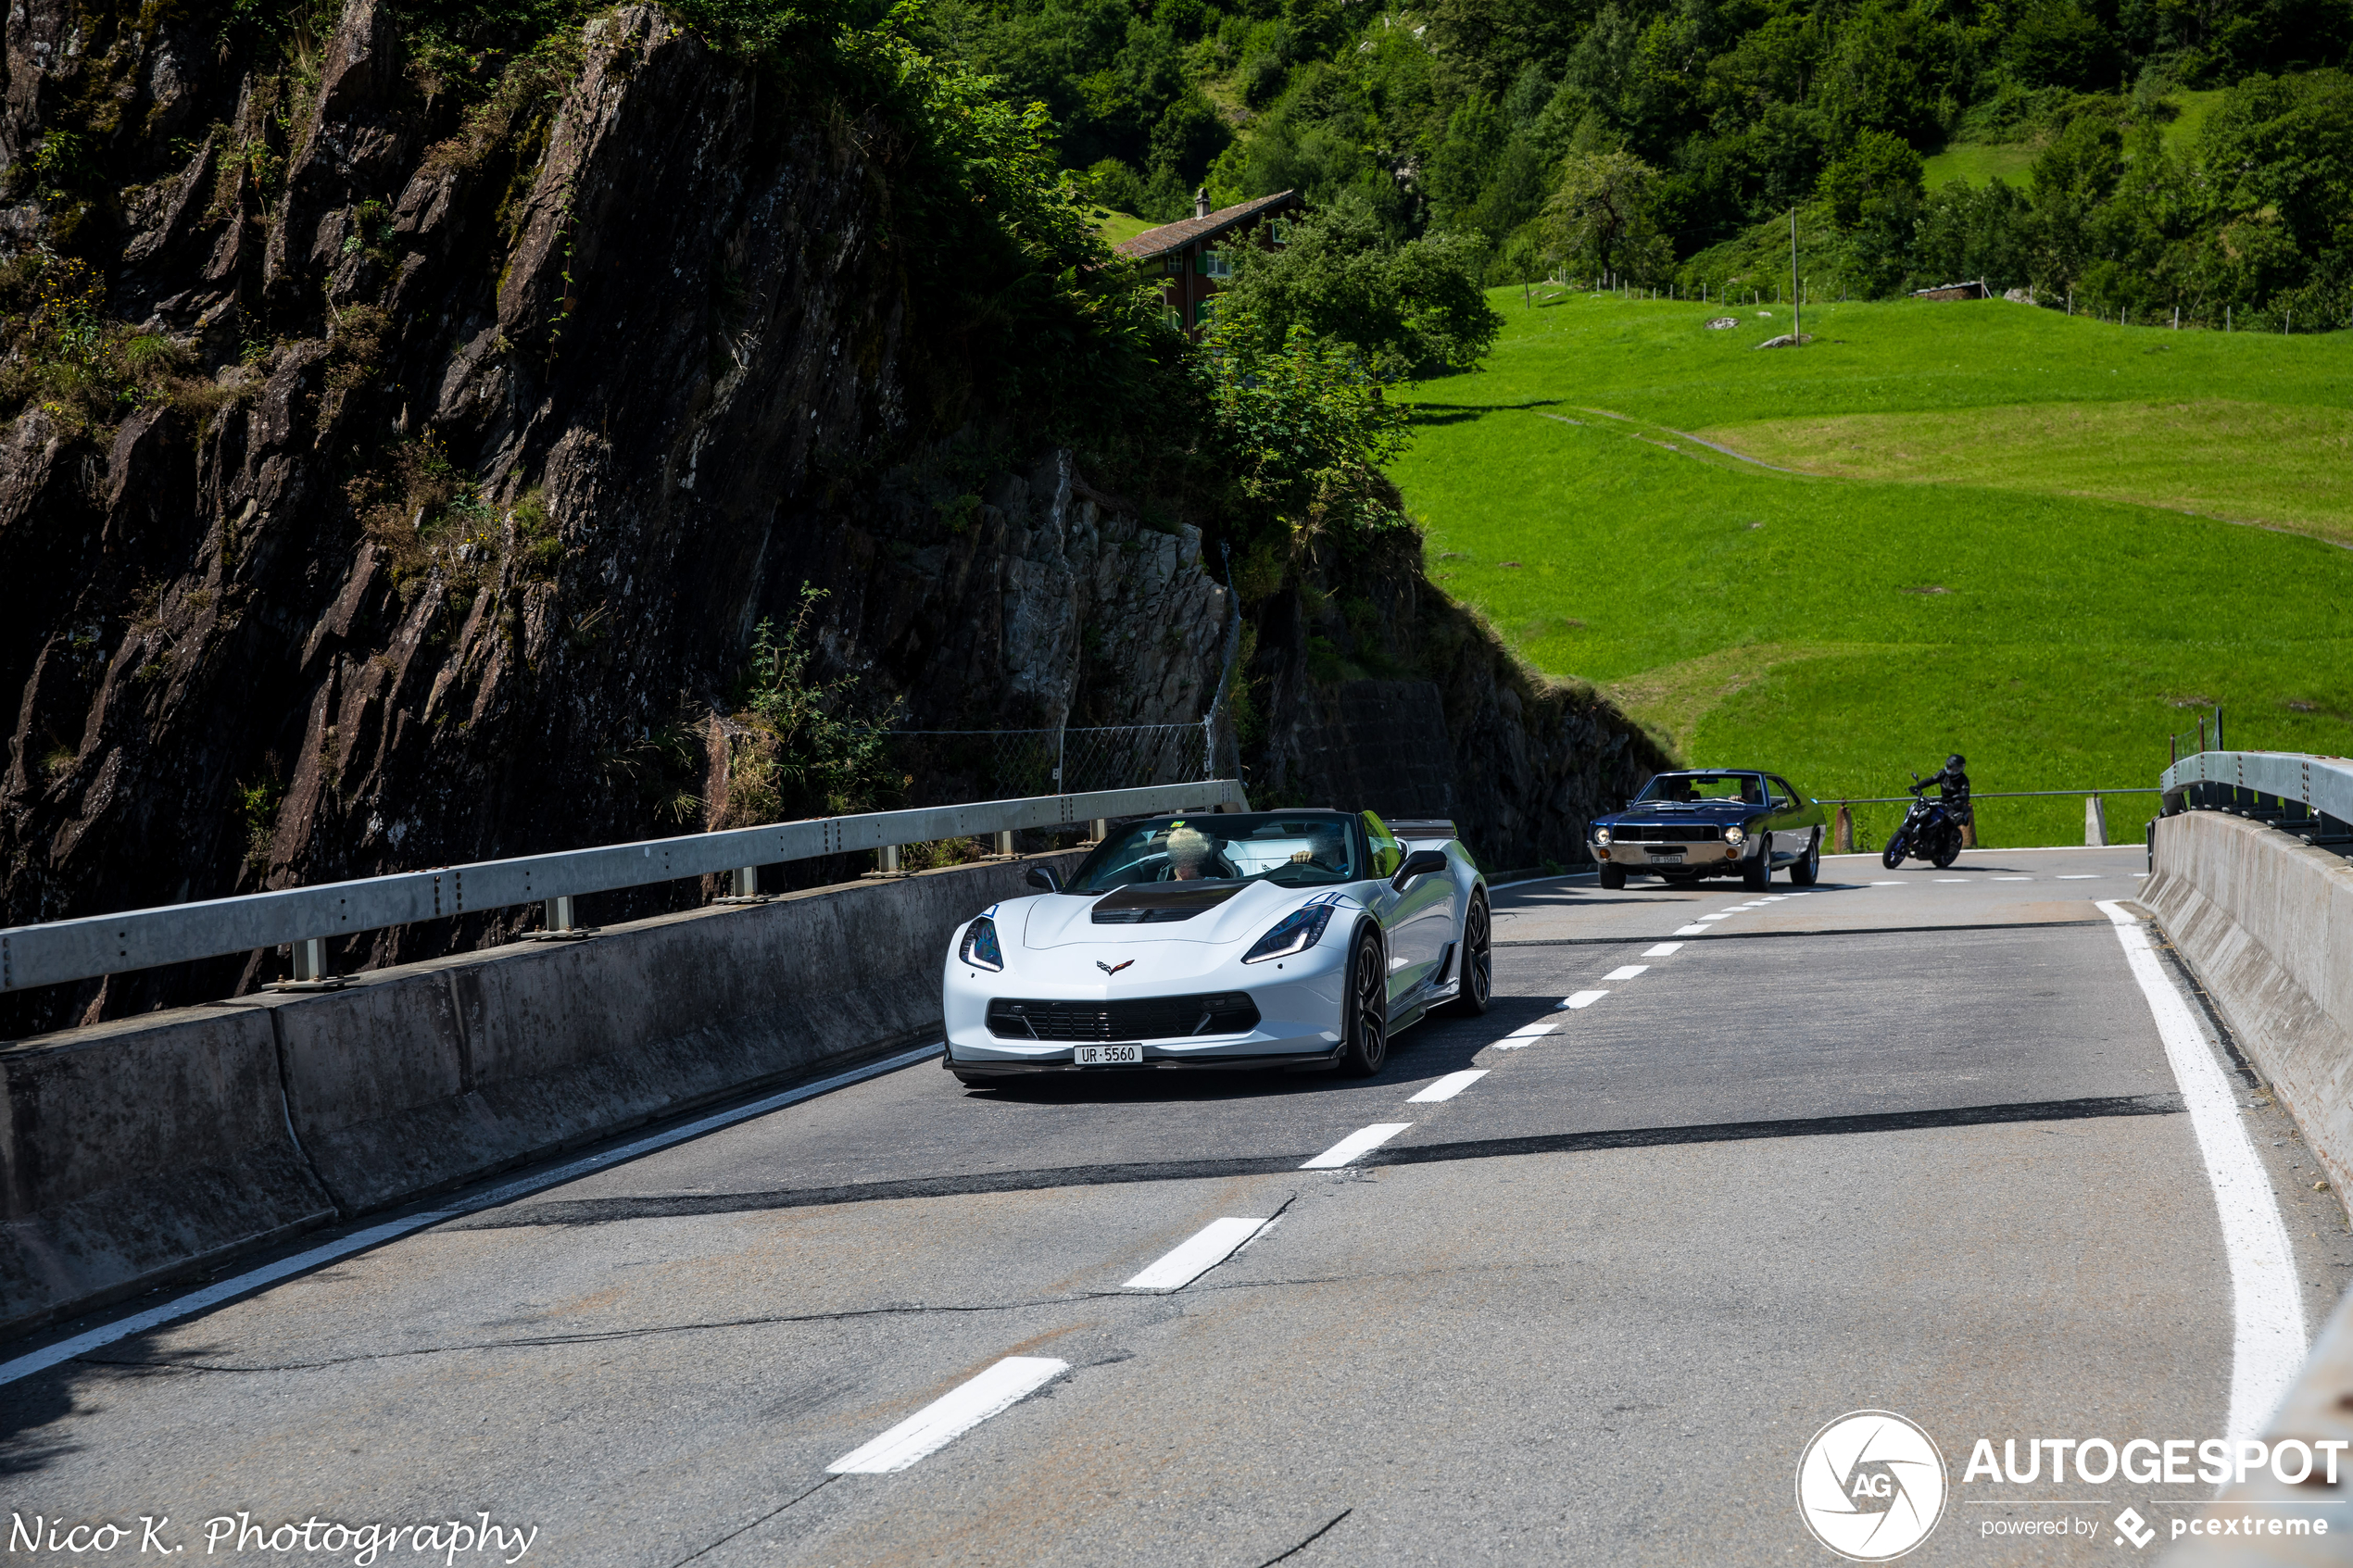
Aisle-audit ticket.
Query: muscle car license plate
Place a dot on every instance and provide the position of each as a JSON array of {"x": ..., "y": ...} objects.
[
  {"x": 1666, "y": 854},
  {"x": 1109, "y": 1056}
]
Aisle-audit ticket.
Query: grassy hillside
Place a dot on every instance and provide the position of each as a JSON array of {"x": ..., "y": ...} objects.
[
  {"x": 1981, "y": 163},
  {"x": 1998, "y": 551}
]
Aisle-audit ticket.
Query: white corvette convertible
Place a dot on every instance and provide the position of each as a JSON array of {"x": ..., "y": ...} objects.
[{"x": 1296, "y": 939}]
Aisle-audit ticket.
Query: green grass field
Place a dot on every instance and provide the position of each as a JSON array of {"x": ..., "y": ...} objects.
[
  {"x": 1981, "y": 163},
  {"x": 1998, "y": 554},
  {"x": 1115, "y": 226}
]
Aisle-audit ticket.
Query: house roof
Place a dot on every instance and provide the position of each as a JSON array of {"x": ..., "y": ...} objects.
[{"x": 1176, "y": 236}]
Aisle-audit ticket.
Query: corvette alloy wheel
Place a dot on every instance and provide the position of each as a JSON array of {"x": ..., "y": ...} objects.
[
  {"x": 1478, "y": 961},
  {"x": 1365, "y": 1025}
]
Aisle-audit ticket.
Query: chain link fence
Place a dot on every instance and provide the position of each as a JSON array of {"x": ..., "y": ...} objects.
[{"x": 945, "y": 766}]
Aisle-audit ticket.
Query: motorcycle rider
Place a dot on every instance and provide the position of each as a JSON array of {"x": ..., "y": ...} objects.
[{"x": 1953, "y": 780}]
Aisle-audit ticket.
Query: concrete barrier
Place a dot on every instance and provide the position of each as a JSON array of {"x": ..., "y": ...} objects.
[
  {"x": 2267, "y": 923},
  {"x": 137, "y": 1151}
]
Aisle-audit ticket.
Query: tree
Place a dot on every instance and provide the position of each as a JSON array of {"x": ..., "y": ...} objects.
[
  {"x": 1400, "y": 310},
  {"x": 1599, "y": 216}
]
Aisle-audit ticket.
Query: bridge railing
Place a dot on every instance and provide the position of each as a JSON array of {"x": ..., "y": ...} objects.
[
  {"x": 2298, "y": 787},
  {"x": 307, "y": 918}
]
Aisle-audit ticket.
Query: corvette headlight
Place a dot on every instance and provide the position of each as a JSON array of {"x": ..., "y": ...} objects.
[
  {"x": 1295, "y": 933},
  {"x": 1736, "y": 836},
  {"x": 1601, "y": 835},
  {"x": 979, "y": 948}
]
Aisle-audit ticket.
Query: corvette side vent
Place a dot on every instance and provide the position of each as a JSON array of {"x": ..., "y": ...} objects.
[{"x": 1141, "y": 1018}]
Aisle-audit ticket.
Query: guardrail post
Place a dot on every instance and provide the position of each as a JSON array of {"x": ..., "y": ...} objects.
[
  {"x": 558, "y": 923},
  {"x": 1004, "y": 842},
  {"x": 2095, "y": 821},
  {"x": 1842, "y": 832},
  {"x": 743, "y": 887},
  {"x": 886, "y": 860},
  {"x": 1097, "y": 830},
  {"x": 311, "y": 971}
]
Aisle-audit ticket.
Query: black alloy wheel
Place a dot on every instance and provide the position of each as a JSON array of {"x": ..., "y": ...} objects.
[
  {"x": 1948, "y": 849},
  {"x": 1364, "y": 1024},
  {"x": 1758, "y": 875},
  {"x": 1477, "y": 963},
  {"x": 1809, "y": 866},
  {"x": 1613, "y": 877},
  {"x": 1893, "y": 856}
]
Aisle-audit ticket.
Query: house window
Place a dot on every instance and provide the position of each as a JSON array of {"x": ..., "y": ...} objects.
[
  {"x": 1176, "y": 265},
  {"x": 1217, "y": 263},
  {"x": 1281, "y": 227}
]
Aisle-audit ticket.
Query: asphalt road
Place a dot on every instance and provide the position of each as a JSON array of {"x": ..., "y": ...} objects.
[{"x": 1908, "y": 1141}]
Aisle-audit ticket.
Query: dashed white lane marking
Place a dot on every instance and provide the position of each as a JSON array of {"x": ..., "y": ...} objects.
[
  {"x": 1446, "y": 1088},
  {"x": 1692, "y": 929},
  {"x": 1721, "y": 914},
  {"x": 1208, "y": 1247},
  {"x": 1363, "y": 1141},
  {"x": 1583, "y": 998},
  {"x": 1887, "y": 884},
  {"x": 390, "y": 1230},
  {"x": 1953, "y": 879},
  {"x": 951, "y": 1415},
  {"x": 2078, "y": 877},
  {"x": 1627, "y": 972},
  {"x": 1527, "y": 1035},
  {"x": 1661, "y": 950},
  {"x": 1808, "y": 894},
  {"x": 2012, "y": 879},
  {"x": 2267, "y": 1345}
]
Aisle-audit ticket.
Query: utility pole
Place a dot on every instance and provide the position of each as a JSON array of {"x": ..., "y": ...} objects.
[{"x": 1798, "y": 305}]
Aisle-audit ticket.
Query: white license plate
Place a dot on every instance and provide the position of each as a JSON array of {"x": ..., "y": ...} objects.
[
  {"x": 1109, "y": 1056},
  {"x": 1666, "y": 854}
]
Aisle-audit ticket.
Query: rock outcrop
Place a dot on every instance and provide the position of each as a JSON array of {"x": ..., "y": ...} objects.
[{"x": 493, "y": 427}]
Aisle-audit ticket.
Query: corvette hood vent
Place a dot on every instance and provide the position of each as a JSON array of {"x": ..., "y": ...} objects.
[{"x": 1159, "y": 903}]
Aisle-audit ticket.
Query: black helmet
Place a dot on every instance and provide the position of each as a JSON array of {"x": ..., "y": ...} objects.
[{"x": 1956, "y": 761}]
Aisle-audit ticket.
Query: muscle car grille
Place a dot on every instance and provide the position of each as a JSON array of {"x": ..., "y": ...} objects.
[
  {"x": 1666, "y": 833},
  {"x": 1144, "y": 1017}
]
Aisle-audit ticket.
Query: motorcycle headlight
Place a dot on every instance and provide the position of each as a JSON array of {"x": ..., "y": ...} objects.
[
  {"x": 1601, "y": 835},
  {"x": 1736, "y": 836},
  {"x": 1295, "y": 933},
  {"x": 979, "y": 947}
]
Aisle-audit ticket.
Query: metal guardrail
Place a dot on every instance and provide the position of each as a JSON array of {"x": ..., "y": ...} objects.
[
  {"x": 2321, "y": 785},
  {"x": 98, "y": 945},
  {"x": 1987, "y": 794}
]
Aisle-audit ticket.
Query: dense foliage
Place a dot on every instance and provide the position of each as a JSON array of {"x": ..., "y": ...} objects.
[{"x": 1654, "y": 139}]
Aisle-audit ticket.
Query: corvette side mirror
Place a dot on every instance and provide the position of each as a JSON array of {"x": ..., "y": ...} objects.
[
  {"x": 1421, "y": 863},
  {"x": 1043, "y": 879}
]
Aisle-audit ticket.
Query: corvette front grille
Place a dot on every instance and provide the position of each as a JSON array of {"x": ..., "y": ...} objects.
[
  {"x": 1665, "y": 833},
  {"x": 1143, "y": 1018}
]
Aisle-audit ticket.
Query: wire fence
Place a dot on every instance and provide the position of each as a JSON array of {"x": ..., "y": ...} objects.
[{"x": 1005, "y": 764}]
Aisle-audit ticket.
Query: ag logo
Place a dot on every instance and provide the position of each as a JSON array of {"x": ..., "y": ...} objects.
[{"x": 1871, "y": 1486}]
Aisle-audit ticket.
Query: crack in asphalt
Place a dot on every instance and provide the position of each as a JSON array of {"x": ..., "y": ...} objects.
[
  {"x": 652, "y": 1330},
  {"x": 1311, "y": 1541},
  {"x": 605, "y": 1211},
  {"x": 756, "y": 1524}
]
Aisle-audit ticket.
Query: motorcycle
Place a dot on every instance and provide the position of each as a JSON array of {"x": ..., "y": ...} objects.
[{"x": 1932, "y": 830}]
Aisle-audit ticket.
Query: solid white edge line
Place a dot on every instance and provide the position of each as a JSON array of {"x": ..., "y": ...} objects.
[
  {"x": 1197, "y": 1254},
  {"x": 1449, "y": 1086},
  {"x": 941, "y": 1422},
  {"x": 2268, "y": 1343},
  {"x": 375, "y": 1235},
  {"x": 1360, "y": 1142},
  {"x": 1661, "y": 950},
  {"x": 1627, "y": 972}
]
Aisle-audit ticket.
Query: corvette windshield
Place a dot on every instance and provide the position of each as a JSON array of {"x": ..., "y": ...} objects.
[
  {"x": 1295, "y": 851},
  {"x": 1688, "y": 788}
]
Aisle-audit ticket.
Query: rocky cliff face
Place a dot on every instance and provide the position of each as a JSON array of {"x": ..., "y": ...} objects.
[{"x": 475, "y": 440}]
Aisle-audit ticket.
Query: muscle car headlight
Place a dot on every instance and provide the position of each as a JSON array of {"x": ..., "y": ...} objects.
[
  {"x": 1736, "y": 834},
  {"x": 1295, "y": 933},
  {"x": 979, "y": 948},
  {"x": 1601, "y": 835}
]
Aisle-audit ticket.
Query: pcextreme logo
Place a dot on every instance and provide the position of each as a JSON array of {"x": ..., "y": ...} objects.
[{"x": 1871, "y": 1486}]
